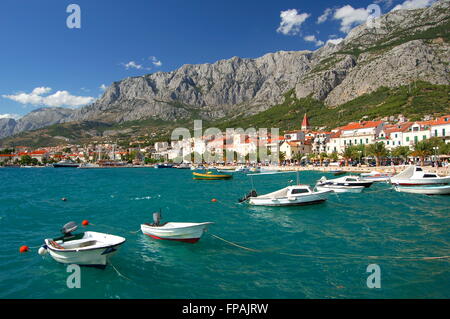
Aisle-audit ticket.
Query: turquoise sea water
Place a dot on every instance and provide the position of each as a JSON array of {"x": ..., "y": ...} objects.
[{"x": 331, "y": 240}]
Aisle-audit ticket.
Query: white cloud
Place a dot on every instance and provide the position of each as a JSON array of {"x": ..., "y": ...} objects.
[
  {"x": 103, "y": 87},
  {"x": 155, "y": 61},
  {"x": 132, "y": 65},
  {"x": 312, "y": 38},
  {"x": 41, "y": 90},
  {"x": 10, "y": 116},
  {"x": 291, "y": 21},
  {"x": 335, "y": 41},
  {"x": 350, "y": 17},
  {"x": 59, "y": 98},
  {"x": 324, "y": 17},
  {"x": 385, "y": 3},
  {"x": 413, "y": 4}
]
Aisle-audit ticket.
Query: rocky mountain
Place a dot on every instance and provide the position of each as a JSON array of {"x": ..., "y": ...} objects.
[
  {"x": 36, "y": 119},
  {"x": 396, "y": 49}
]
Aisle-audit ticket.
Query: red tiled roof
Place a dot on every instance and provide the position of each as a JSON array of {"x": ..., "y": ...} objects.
[
  {"x": 336, "y": 135},
  {"x": 362, "y": 125},
  {"x": 39, "y": 152},
  {"x": 442, "y": 120}
]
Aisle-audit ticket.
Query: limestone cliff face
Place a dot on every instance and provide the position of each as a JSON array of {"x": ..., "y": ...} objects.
[
  {"x": 404, "y": 46},
  {"x": 389, "y": 54},
  {"x": 34, "y": 120},
  {"x": 210, "y": 90}
]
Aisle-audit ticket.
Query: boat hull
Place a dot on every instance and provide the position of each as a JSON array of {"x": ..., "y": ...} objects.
[
  {"x": 421, "y": 181},
  {"x": 304, "y": 200},
  {"x": 200, "y": 176},
  {"x": 342, "y": 189},
  {"x": 434, "y": 190},
  {"x": 95, "y": 255},
  {"x": 188, "y": 233},
  {"x": 66, "y": 165}
]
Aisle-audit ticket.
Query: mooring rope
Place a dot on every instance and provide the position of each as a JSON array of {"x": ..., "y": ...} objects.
[
  {"x": 335, "y": 256},
  {"x": 118, "y": 272},
  {"x": 234, "y": 244}
]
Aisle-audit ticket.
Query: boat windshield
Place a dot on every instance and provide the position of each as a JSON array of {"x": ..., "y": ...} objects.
[{"x": 299, "y": 191}]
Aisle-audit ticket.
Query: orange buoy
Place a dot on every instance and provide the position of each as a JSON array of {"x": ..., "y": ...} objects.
[
  {"x": 24, "y": 249},
  {"x": 85, "y": 223},
  {"x": 214, "y": 200}
]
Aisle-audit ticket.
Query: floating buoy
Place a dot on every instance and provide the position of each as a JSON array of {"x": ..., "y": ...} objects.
[
  {"x": 24, "y": 249},
  {"x": 85, "y": 223},
  {"x": 42, "y": 251},
  {"x": 64, "y": 199},
  {"x": 214, "y": 200}
]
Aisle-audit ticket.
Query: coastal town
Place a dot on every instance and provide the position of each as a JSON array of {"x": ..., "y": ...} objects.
[{"x": 395, "y": 138}]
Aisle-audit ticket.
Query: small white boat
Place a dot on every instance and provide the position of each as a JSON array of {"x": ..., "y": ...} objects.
[
  {"x": 68, "y": 163},
  {"x": 89, "y": 166},
  {"x": 376, "y": 176},
  {"x": 184, "y": 232},
  {"x": 198, "y": 168},
  {"x": 425, "y": 189},
  {"x": 415, "y": 175},
  {"x": 345, "y": 181},
  {"x": 84, "y": 249},
  {"x": 290, "y": 196},
  {"x": 184, "y": 166},
  {"x": 242, "y": 169},
  {"x": 338, "y": 188}
]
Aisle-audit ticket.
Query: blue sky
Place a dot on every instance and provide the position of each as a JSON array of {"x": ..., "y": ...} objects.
[{"x": 44, "y": 63}]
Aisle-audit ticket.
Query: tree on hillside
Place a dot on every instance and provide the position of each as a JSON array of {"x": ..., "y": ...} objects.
[
  {"x": 422, "y": 149},
  {"x": 377, "y": 150}
]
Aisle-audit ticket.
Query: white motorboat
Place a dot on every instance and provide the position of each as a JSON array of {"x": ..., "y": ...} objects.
[
  {"x": 84, "y": 249},
  {"x": 424, "y": 189},
  {"x": 66, "y": 164},
  {"x": 242, "y": 169},
  {"x": 184, "y": 166},
  {"x": 289, "y": 196},
  {"x": 345, "y": 181},
  {"x": 184, "y": 232},
  {"x": 415, "y": 175},
  {"x": 198, "y": 168},
  {"x": 339, "y": 188},
  {"x": 89, "y": 166},
  {"x": 376, "y": 176}
]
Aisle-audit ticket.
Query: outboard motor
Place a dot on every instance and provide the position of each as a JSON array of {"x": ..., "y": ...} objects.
[
  {"x": 249, "y": 195},
  {"x": 69, "y": 228},
  {"x": 157, "y": 218}
]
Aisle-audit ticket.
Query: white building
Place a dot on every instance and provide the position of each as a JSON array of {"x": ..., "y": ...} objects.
[{"x": 356, "y": 133}]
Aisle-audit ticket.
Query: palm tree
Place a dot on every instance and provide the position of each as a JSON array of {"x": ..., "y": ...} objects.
[
  {"x": 421, "y": 150},
  {"x": 322, "y": 156},
  {"x": 348, "y": 154},
  {"x": 401, "y": 152},
  {"x": 377, "y": 150}
]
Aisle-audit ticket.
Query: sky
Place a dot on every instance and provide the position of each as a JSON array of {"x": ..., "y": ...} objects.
[{"x": 49, "y": 57}]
